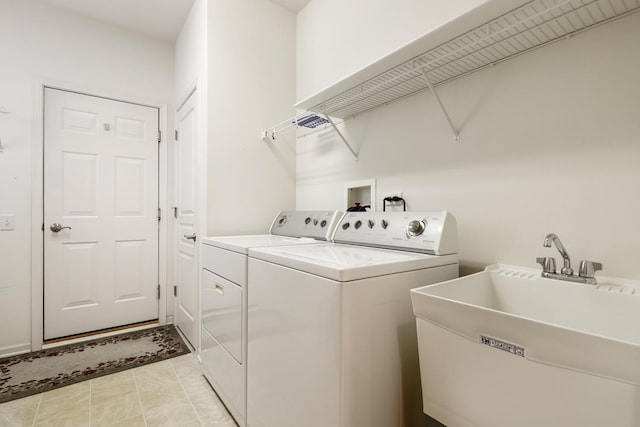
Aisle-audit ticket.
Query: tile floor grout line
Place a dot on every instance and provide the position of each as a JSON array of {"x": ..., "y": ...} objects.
[
  {"x": 184, "y": 389},
  {"x": 90, "y": 402},
  {"x": 35, "y": 415},
  {"x": 135, "y": 381}
]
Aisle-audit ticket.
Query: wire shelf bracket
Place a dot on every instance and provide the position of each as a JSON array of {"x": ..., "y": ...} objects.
[
  {"x": 355, "y": 155},
  {"x": 456, "y": 133}
]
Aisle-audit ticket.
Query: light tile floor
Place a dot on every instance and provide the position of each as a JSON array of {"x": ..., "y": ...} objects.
[{"x": 168, "y": 393}]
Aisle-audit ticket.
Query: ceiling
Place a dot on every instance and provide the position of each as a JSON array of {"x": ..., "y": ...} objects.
[
  {"x": 161, "y": 19},
  {"x": 294, "y": 6}
]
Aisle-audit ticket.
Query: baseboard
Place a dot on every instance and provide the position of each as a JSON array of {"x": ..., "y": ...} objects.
[
  {"x": 12, "y": 350},
  {"x": 432, "y": 422}
]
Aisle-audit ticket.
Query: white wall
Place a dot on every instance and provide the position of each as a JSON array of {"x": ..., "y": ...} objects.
[
  {"x": 251, "y": 69},
  {"x": 191, "y": 51},
  {"x": 42, "y": 43},
  {"x": 549, "y": 143}
]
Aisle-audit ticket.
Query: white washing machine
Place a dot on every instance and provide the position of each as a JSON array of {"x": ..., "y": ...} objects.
[
  {"x": 331, "y": 334},
  {"x": 224, "y": 298}
]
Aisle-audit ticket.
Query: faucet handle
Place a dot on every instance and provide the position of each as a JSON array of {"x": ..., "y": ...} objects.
[
  {"x": 588, "y": 268},
  {"x": 548, "y": 264}
]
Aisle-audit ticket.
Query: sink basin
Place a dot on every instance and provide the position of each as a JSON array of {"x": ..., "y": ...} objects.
[
  {"x": 514, "y": 344},
  {"x": 573, "y": 325}
]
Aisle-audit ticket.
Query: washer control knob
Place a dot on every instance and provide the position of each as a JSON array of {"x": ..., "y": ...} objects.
[
  {"x": 307, "y": 220},
  {"x": 371, "y": 223},
  {"x": 315, "y": 221},
  {"x": 357, "y": 224},
  {"x": 282, "y": 221},
  {"x": 384, "y": 223},
  {"x": 345, "y": 225},
  {"x": 416, "y": 227},
  {"x": 323, "y": 223}
]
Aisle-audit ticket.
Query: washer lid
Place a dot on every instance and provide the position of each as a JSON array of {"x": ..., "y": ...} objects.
[
  {"x": 345, "y": 263},
  {"x": 241, "y": 244}
]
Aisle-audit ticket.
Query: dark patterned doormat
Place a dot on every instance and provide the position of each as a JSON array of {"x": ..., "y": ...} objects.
[{"x": 32, "y": 373}]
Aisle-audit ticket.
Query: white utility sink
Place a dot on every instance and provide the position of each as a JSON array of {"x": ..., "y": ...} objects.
[{"x": 558, "y": 326}]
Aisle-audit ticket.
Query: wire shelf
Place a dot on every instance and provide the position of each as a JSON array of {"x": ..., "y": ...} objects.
[
  {"x": 530, "y": 26},
  {"x": 310, "y": 121}
]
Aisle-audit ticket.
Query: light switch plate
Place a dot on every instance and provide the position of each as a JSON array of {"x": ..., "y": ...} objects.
[{"x": 7, "y": 222}]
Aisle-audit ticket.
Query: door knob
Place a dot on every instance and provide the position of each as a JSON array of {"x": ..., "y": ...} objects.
[
  {"x": 190, "y": 236},
  {"x": 55, "y": 227}
]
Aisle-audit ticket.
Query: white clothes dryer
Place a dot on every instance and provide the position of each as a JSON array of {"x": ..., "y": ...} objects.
[
  {"x": 331, "y": 334},
  {"x": 223, "y": 352}
]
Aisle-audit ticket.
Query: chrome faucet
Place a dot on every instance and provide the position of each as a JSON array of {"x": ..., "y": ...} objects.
[
  {"x": 586, "y": 272},
  {"x": 553, "y": 238}
]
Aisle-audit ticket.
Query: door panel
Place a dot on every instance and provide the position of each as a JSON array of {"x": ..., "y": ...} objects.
[
  {"x": 77, "y": 285},
  {"x": 129, "y": 191},
  {"x": 129, "y": 263},
  {"x": 101, "y": 181},
  {"x": 80, "y": 185},
  {"x": 187, "y": 222}
]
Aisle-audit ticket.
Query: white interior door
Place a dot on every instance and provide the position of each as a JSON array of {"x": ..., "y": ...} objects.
[
  {"x": 101, "y": 188},
  {"x": 187, "y": 221}
]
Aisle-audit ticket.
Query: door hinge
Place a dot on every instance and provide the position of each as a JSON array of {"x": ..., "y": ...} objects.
[
  {"x": 175, "y": 212},
  {"x": 176, "y": 134},
  {"x": 159, "y": 136},
  {"x": 42, "y": 227},
  {"x": 158, "y": 291},
  {"x": 175, "y": 290},
  {"x": 159, "y": 214}
]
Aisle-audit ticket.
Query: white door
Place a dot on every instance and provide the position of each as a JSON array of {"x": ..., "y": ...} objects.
[
  {"x": 101, "y": 189},
  {"x": 187, "y": 221}
]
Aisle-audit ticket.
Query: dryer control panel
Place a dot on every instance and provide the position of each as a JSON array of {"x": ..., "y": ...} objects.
[
  {"x": 428, "y": 232},
  {"x": 318, "y": 225}
]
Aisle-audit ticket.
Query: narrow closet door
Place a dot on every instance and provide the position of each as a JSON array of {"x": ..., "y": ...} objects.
[{"x": 187, "y": 220}]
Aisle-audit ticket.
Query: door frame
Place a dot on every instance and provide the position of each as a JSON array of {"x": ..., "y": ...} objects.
[{"x": 37, "y": 196}]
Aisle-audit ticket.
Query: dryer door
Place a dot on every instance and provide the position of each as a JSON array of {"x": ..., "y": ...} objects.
[{"x": 222, "y": 312}]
